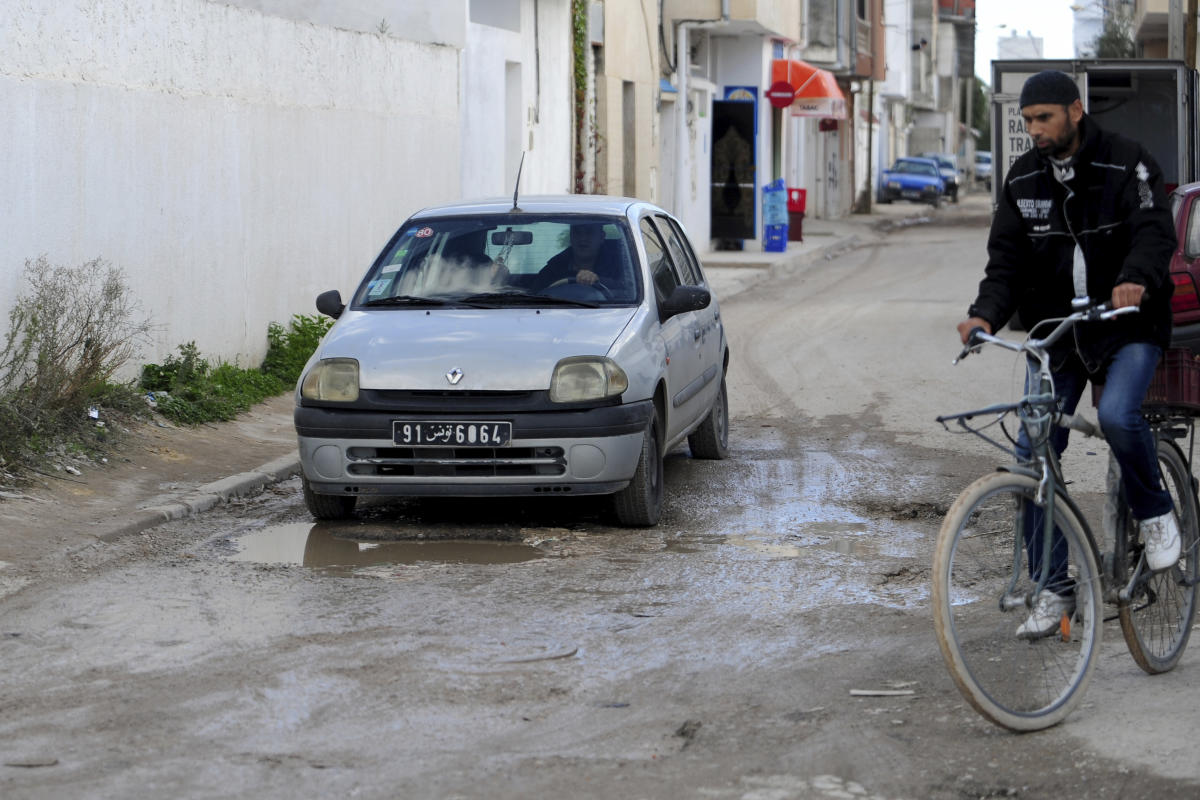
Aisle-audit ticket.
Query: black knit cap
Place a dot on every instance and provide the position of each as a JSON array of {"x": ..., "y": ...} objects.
[{"x": 1049, "y": 86}]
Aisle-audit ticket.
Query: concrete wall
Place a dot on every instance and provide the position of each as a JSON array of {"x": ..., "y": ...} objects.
[
  {"x": 430, "y": 22},
  {"x": 517, "y": 98},
  {"x": 234, "y": 164}
]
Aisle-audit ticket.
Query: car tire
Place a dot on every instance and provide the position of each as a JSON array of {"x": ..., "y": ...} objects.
[
  {"x": 327, "y": 506},
  {"x": 711, "y": 439},
  {"x": 884, "y": 200},
  {"x": 936, "y": 202},
  {"x": 639, "y": 505}
]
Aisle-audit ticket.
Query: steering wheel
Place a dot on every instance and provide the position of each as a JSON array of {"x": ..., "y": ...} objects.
[{"x": 597, "y": 285}]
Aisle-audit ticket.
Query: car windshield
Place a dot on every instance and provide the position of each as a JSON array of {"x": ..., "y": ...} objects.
[
  {"x": 500, "y": 260},
  {"x": 914, "y": 168},
  {"x": 983, "y": 158}
]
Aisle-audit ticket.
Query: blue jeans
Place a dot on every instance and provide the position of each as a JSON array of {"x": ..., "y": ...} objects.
[{"x": 1130, "y": 371}]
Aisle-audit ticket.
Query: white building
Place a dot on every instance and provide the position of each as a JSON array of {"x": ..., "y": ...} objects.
[
  {"x": 237, "y": 157},
  {"x": 1019, "y": 46}
]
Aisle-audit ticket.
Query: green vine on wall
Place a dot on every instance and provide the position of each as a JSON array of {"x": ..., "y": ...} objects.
[{"x": 579, "y": 19}]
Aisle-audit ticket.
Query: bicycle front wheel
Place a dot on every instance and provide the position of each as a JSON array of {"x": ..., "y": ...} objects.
[
  {"x": 1019, "y": 683},
  {"x": 1157, "y": 619}
]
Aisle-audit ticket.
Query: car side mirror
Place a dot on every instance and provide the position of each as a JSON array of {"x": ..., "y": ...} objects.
[
  {"x": 685, "y": 298},
  {"x": 330, "y": 303}
]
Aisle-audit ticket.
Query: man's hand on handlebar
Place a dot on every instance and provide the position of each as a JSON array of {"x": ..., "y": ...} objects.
[
  {"x": 967, "y": 325},
  {"x": 1126, "y": 294}
]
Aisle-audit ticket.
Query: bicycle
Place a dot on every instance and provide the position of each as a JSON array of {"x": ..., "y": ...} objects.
[{"x": 980, "y": 564}]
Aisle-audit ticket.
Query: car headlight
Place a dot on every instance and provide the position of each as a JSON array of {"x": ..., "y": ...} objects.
[
  {"x": 332, "y": 379},
  {"x": 583, "y": 378}
]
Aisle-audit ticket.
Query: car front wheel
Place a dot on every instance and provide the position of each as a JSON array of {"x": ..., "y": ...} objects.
[
  {"x": 711, "y": 439},
  {"x": 327, "y": 506},
  {"x": 640, "y": 503}
]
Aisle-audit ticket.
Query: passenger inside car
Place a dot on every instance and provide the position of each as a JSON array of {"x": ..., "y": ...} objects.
[{"x": 468, "y": 268}]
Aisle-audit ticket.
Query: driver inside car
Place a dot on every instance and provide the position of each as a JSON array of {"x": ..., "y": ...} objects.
[{"x": 588, "y": 260}]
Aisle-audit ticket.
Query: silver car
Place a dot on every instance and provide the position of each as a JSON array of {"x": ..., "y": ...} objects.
[{"x": 556, "y": 348}]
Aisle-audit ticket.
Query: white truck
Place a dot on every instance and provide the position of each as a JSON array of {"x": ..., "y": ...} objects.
[{"x": 1150, "y": 100}]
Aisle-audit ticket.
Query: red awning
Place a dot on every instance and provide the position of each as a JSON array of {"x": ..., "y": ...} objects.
[{"x": 814, "y": 92}]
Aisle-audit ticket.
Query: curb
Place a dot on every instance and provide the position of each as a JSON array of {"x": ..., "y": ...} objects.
[{"x": 206, "y": 497}]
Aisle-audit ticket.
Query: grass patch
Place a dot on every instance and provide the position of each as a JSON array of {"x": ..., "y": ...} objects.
[{"x": 190, "y": 390}]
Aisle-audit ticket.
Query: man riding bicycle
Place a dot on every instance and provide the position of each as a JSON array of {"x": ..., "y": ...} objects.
[{"x": 1084, "y": 215}]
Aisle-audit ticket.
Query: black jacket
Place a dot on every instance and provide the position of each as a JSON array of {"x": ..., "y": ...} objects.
[
  {"x": 609, "y": 268},
  {"x": 1115, "y": 208}
]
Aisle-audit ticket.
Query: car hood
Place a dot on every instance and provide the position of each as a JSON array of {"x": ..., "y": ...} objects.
[{"x": 496, "y": 349}]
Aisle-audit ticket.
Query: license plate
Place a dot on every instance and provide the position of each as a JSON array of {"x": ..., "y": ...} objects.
[
  {"x": 910, "y": 193},
  {"x": 451, "y": 434}
]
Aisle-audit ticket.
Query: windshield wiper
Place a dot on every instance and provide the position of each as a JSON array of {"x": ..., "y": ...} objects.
[
  {"x": 516, "y": 298},
  {"x": 404, "y": 300}
]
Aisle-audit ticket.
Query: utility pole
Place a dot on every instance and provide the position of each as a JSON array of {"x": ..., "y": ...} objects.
[
  {"x": 1189, "y": 45},
  {"x": 1175, "y": 33}
]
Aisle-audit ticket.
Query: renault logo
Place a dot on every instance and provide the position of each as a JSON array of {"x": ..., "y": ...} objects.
[{"x": 454, "y": 376}]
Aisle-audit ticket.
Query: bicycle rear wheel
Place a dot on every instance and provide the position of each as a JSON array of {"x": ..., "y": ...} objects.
[
  {"x": 1157, "y": 619},
  {"x": 1019, "y": 684}
]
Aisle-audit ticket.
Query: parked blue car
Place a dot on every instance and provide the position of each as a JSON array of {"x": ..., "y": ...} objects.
[{"x": 912, "y": 178}]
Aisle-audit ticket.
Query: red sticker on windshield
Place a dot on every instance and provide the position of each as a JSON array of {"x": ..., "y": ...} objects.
[{"x": 424, "y": 233}]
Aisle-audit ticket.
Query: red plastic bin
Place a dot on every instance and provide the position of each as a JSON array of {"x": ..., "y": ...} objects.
[
  {"x": 1176, "y": 380},
  {"x": 797, "y": 200}
]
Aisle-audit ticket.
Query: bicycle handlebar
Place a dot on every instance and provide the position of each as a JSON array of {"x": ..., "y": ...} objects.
[{"x": 1036, "y": 347}]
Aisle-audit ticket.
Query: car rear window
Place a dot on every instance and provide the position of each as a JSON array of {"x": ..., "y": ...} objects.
[{"x": 455, "y": 258}]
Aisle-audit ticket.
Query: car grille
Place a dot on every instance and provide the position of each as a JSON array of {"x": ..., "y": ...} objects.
[
  {"x": 456, "y": 462},
  {"x": 454, "y": 401}
]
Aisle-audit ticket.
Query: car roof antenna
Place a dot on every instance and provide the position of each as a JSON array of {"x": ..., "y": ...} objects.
[{"x": 517, "y": 188}]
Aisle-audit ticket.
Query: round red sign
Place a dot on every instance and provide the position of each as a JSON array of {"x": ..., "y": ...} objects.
[{"x": 781, "y": 94}]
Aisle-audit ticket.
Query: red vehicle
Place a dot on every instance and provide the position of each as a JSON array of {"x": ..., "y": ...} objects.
[{"x": 1185, "y": 267}]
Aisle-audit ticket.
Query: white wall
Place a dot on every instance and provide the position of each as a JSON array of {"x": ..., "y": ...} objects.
[
  {"x": 898, "y": 41},
  {"x": 234, "y": 164},
  {"x": 496, "y": 130},
  {"x": 432, "y": 22}
]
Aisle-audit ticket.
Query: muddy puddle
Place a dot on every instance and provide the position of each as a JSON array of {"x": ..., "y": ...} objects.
[{"x": 334, "y": 549}]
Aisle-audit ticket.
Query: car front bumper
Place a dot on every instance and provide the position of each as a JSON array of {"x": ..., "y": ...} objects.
[{"x": 591, "y": 451}]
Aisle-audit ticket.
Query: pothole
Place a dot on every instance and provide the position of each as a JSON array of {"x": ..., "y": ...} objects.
[{"x": 319, "y": 546}]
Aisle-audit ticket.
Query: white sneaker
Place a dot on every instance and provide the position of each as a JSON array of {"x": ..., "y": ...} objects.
[
  {"x": 1046, "y": 615},
  {"x": 1160, "y": 535}
]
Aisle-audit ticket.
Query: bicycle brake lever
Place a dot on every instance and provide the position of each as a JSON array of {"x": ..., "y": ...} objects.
[{"x": 972, "y": 346}]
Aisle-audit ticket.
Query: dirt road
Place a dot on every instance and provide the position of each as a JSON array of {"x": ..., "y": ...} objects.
[{"x": 509, "y": 650}]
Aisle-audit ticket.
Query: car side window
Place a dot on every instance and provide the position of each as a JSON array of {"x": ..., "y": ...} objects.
[
  {"x": 681, "y": 253},
  {"x": 1192, "y": 244},
  {"x": 661, "y": 269}
]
